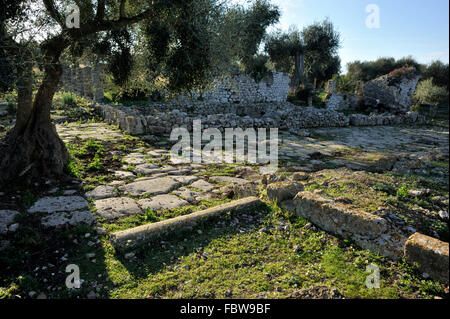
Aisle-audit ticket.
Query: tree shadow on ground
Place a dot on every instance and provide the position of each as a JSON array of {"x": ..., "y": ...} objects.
[{"x": 156, "y": 255}]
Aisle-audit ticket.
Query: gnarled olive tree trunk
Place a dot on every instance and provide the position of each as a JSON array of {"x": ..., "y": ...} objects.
[
  {"x": 33, "y": 148},
  {"x": 297, "y": 76}
]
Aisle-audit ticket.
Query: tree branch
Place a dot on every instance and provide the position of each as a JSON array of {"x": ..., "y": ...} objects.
[
  {"x": 53, "y": 12},
  {"x": 122, "y": 8},
  {"x": 105, "y": 25},
  {"x": 100, "y": 10}
]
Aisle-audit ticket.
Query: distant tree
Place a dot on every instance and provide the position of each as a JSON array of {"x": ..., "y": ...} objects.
[
  {"x": 439, "y": 72},
  {"x": 430, "y": 94},
  {"x": 369, "y": 70},
  {"x": 287, "y": 52},
  {"x": 309, "y": 55},
  {"x": 322, "y": 42}
]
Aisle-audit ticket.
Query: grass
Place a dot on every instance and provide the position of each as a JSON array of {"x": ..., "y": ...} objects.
[
  {"x": 229, "y": 255},
  {"x": 370, "y": 191}
]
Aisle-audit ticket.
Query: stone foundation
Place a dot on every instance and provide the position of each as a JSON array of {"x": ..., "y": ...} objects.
[{"x": 163, "y": 117}]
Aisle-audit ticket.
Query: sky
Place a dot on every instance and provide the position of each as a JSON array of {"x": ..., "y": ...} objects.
[{"x": 419, "y": 28}]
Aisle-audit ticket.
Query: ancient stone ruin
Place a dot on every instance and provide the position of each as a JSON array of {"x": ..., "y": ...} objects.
[
  {"x": 84, "y": 81},
  {"x": 240, "y": 88},
  {"x": 390, "y": 93}
]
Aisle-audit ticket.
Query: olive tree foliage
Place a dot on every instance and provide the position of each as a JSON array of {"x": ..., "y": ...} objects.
[
  {"x": 286, "y": 51},
  {"x": 309, "y": 55},
  {"x": 217, "y": 38},
  {"x": 430, "y": 94},
  {"x": 322, "y": 42},
  {"x": 33, "y": 149}
]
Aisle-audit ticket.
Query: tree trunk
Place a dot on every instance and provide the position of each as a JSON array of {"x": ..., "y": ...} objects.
[
  {"x": 297, "y": 77},
  {"x": 24, "y": 94},
  {"x": 33, "y": 148}
]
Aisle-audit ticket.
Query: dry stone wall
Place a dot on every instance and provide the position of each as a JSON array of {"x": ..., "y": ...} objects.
[
  {"x": 162, "y": 118},
  {"x": 240, "y": 88},
  {"x": 84, "y": 81}
]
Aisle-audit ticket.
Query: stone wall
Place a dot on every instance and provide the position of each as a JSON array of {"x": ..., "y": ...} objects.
[
  {"x": 162, "y": 118},
  {"x": 240, "y": 88},
  {"x": 84, "y": 81}
]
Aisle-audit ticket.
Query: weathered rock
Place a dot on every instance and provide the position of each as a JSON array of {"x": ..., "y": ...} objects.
[
  {"x": 124, "y": 174},
  {"x": 202, "y": 185},
  {"x": 245, "y": 190},
  {"x": 6, "y": 219},
  {"x": 367, "y": 230},
  {"x": 59, "y": 204},
  {"x": 155, "y": 186},
  {"x": 300, "y": 176},
  {"x": 393, "y": 91},
  {"x": 186, "y": 180},
  {"x": 112, "y": 208},
  {"x": 281, "y": 191},
  {"x": 431, "y": 255},
  {"x": 73, "y": 219},
  {"x": 101, "y": 192},
  {"x": 228, "y": 179},
  {"x": 146, "y": 169},
  {"x": 161, "y": 202}
]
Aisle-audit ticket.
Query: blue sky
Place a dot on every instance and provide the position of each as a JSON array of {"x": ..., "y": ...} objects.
[{"x": 407, "y": 27}]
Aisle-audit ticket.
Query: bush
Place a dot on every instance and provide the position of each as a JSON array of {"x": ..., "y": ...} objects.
[
  {"x": 68, "y": 99},
  {"x": 438, "y": 71},
  {"x": 345, "y": 84},
  {"x": 430, "y": 94}
]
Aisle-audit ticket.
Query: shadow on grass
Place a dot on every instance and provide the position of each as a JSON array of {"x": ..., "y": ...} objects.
[{"x": 155, "y": 255}]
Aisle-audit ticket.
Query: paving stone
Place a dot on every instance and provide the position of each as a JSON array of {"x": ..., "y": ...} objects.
[
  {"x": 101, "y": 192},
  {"x": 228, "y": 179},
  {"x": 59, "y": 204},
  {"x": 135, "y": 160},
  {"x": 6, "y": 219},
  {"x": 146, "y": 169},
  {"x": 124, "y": 174},
  {"x": 161, "y": 202},
  {"x": 156, "y": 186},
  {"x": 186, "y": 180},
  {"x": 73, "y": 219},
  {"x": 112, "y": 208},
  {"x": 187, "y": 194},
  {"x": 154, "y": 154},
  {"x": 202, "y": 185}
]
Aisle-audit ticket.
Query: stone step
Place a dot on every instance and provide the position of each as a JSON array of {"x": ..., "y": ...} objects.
[{"x": 141, "y": 234}]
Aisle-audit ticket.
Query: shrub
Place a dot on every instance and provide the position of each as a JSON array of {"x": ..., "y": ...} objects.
[
  {"x": 345, "y": 84},
  {"x": 430, "y": 94},
  {"x": 68, "y": 99},
  {"x": 438, "y": 71}
]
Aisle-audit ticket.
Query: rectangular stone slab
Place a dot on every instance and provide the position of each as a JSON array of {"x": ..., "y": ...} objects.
[
  {"x": 141, "y": 234},
  {"x": 367, "y": 230},
  {"x": 430, "y": 254}
]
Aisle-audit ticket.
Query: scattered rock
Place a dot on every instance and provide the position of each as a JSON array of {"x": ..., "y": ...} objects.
[
  {"x": 6, "y": 218},
  {"x": 281, "y": 191}
]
